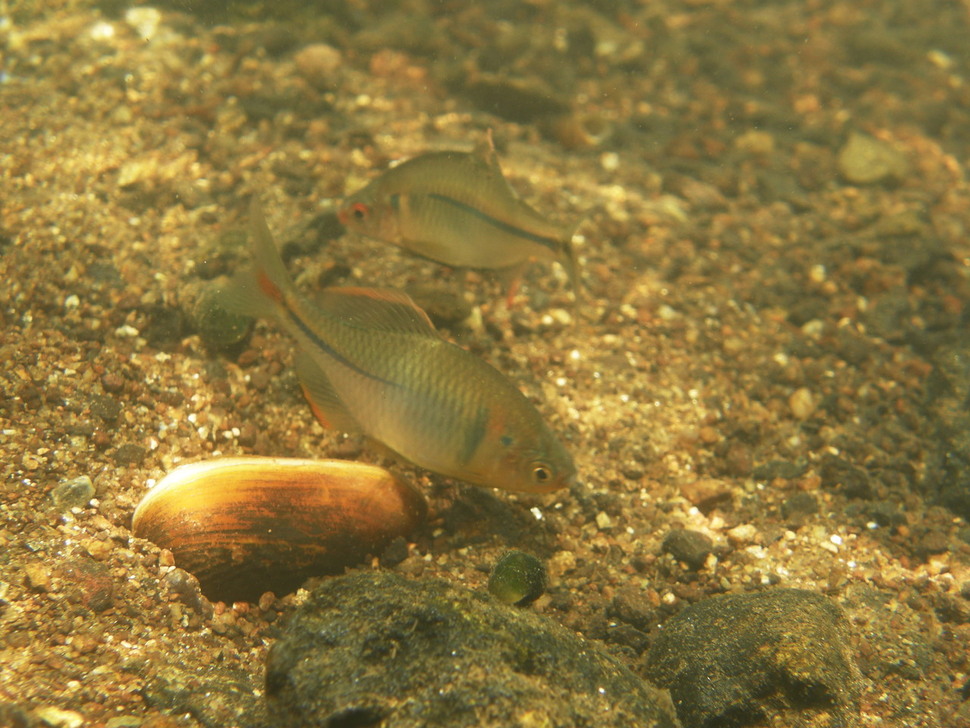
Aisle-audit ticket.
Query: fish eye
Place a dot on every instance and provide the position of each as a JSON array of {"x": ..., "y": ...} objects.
[
  {"x": 541, "y": 473},
  {"x": 359, "y": 210}
]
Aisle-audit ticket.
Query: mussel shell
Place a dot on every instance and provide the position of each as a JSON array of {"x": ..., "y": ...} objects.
[{"x": 247, "y": 525}]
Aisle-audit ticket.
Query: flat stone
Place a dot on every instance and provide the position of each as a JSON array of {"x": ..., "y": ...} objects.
[
  {"x": 380, "y": 649},
  {"x": 779, "y": 657},
  {"x": 866, "y": 161}
]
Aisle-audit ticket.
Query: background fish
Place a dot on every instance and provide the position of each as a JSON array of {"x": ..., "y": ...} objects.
[
  {"x": 372, "y": 362},
  {"x": 457, "y": 208}
]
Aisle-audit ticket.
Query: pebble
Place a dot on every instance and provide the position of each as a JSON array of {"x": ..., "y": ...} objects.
[
  {"x": 802, "y": 403},
  {"x": 88, "y": 583},
  {"x": 518, "y": 578},
  {"x": 38, "y": 577},
  {"x": 743, "y": 535},
  {"x": 129, "y": 454},
  {"x": 706, "y": 493},
  {"x": 106, "y": 407},
  {"x": 317, "y": 63},
  {"x": 865, "y": 161},
  {"x": 55, "y": 717},
  {"x": 800, "y": 504},
  {"x": 221, "y": 330},
  {"x": 691, "y": 547},
  {"x": 74, "y": 493},
  {"x": 361, "y": 641},
  {"x": 783, "y": 655}
]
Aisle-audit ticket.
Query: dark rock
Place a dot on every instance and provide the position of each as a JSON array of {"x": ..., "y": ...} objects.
[
  {"x": 630, "y": 605},
  {"x": 13, "y": 716},
  {"x": 105, "y": 407},
  {"x": 129, "y": 454},
  {"x": 780, "y": 469},
  {"x": 691, "y": 547},
  {"x": 164, "y": 325},
  {"x": 185, "y": 587},
  {"x": 520, "y": 100},
  {"x": 881, "y": 513},
  {"x": 851, "y": 481},
  {"x": 87, "y": 583},
  {"x": 800, "y": 504},
  {"x": 379, "y": 649},
  {"x": 778, "y": 657}
]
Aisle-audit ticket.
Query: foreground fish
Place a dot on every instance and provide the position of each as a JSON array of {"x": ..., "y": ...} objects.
[
  {"x": 458, "y": 209},
  {"x": 372, "y": 362}
]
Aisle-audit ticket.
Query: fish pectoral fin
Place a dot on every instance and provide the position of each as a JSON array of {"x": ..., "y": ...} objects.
[
  {"x": 377, "y": 308},
  {"x": 326, "y": 404}
]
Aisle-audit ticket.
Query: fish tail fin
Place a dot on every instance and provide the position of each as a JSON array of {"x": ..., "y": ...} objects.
[
  {"x": 259, "y": 290},
  {"x": 570, "y": 261}
]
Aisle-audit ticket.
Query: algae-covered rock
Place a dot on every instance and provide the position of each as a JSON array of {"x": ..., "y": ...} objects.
[
  {"x": 779, "y": 657},
  {"x": 379, "y": 649}
]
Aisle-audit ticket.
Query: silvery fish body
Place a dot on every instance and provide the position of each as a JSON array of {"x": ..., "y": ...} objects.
[
  {"x": 456, "y": 208},
  {"x": 372, "y": 362}
]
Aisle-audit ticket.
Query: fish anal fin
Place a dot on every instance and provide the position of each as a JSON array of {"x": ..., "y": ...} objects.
[
  {"x": 324, "y": 401},
  {"x": 377, "y": 308}
]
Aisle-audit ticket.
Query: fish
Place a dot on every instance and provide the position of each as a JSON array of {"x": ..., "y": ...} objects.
[
  {"x": 457, "y": 208},
  {"x": 370, "y": 361}
]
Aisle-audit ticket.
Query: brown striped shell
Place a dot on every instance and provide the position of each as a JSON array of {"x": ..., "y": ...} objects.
[{"x": 247, "y": 525}]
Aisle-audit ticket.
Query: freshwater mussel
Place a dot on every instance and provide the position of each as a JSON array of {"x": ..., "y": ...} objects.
[{"x": 247, "y": 525}]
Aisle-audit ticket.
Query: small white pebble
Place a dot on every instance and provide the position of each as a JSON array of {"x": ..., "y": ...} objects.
[
  {"x": 126, "y": 332},
  {"x": 102, "y": 30},
  {"x": 745, "y": 533},
  {"x": 72, "y": 302},
  {"x": 610, "y": 161},
  {"x": 667, "y": 313}
]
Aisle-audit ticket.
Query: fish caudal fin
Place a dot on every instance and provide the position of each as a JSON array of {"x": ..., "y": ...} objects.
[
  {"x": 570, "y": 261},
  {"x": 259, "y": 290}
]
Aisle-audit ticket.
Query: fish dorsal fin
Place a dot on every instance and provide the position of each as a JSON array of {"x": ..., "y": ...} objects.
[{"x": 376, "y": 308}]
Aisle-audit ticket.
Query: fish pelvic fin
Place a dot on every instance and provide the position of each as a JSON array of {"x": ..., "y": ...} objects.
[
  {"x": 380, "y": 309},
  {"x": 324, "y": 401}
]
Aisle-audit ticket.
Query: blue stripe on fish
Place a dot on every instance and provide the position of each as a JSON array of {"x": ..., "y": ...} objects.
[
  {"x": 317, "y": 341},
  {"x": 551, "y": 243},
  {"x": 475, "y": 435}
]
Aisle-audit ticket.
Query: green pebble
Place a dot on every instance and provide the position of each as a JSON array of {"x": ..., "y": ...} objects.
[
  {"x": 218, "y": 328},
  {"x": 518, "y": 578}
]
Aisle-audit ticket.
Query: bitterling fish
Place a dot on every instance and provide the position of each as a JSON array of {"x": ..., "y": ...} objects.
[
  {"x": 372, "y": 362},
  {"x": 457, "y": 208}
]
